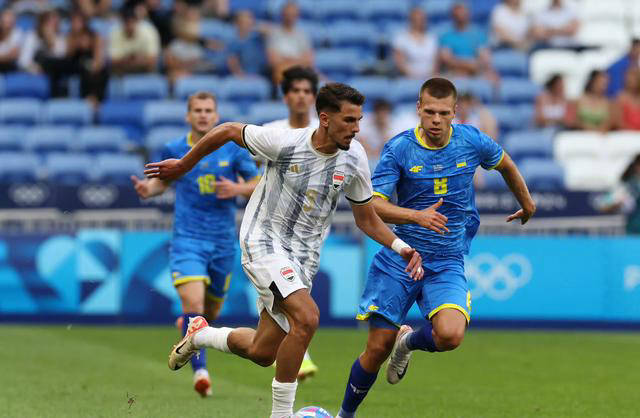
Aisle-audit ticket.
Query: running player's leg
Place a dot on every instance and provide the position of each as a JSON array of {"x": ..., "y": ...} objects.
[{"x": 219, "y": 270}]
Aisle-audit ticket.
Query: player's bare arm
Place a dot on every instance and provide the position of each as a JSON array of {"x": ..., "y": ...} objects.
[
  {"x": 428, "y": 218},
  {"x": 171, "y": 169},
  {"x": 227, "y": 189},
  {"x": 518, "y": 187},
  {"x": 370, "y": 223},
  {"x": 147, "y": 188}
]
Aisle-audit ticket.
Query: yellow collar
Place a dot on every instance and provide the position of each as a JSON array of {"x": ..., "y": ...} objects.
[
  {"x": 422, "y": 142},
  {"x": 189, "y": 140}
]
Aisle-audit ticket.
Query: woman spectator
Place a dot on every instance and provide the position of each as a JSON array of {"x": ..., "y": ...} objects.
[
  {"x": 85, "y": 52},
  {"x": 43, "y": 44},
  {"x": 592, "y": 111},
  {"x": 10, "y": 41},
  {"x": 627, "y": 103},
  {"x": 551, "y": 104}
]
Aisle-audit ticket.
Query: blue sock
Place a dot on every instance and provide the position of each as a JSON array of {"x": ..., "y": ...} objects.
[
  {"x": 422, "y": 339},
  {"x": 360, "y": 381},
  {"x": 197, "y": 361}
]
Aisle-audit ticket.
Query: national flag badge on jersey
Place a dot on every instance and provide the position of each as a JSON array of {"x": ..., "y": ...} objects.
[
  {"x": 287, "y": 273},
  {"x": 461, "y": 163},
  {"x": 338, "y": 179}
]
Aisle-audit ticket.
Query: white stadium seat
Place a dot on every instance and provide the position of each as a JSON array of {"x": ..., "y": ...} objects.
[
  {"x": 604, "y": 34},
  {"x": 589, "y": 174},
  {"x": 598, "y": 10},
  {"x": 546, "y": 62},
  {"x": 579, "y": 144}
]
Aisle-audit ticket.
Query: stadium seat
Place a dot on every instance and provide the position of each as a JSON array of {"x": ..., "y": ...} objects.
[
  {"x": 349, "y": 34},
  {"x": 437, "y": 10},
  {"x": 67, "y": 112},
  {"x": 405, "y": 90},
  {"x": 258, "y": 8},
  {"x": 164, "y": 113},
  {"x": 479, "y": 87},
  {"x": 509, "y": 62},
  {"x": 623, "y": 144},
  {"x": 381, "y": 12},
  {"x": 19, "y": 167},
  {"x": 216, "y": 29},
  {"x": 70, "y": 169},
  {"x": 315, "y": 31},
  {"x": 1, "y": 85},
  {"x": 118, "y": 168},
  {"x": 20, "y": 111},
  {"x": 518, "y": 90},
  {"x": 186, "y": 86},
  {"x": 578, "y": 144},
  {"x": 157, "y": 137},
  {"x": 331, "y": 10},
  {"x": 511, "y": 117},
  {"x": 339, "y": 64},
  {"x": 95, "y": 139},
  {"x": 542, "y": 174},
  {"x": 603, "y": 34},
  {"x": 245, "y": 90},
  {"x": 145, "y": 87},
  {"x": 229, "y": 112},
  {"x": 26, "y": 85},
  {"x": 588, "y": 174},
  {"x": 546, "y": 62},
  {"x": 492, "y": 180},
  {"x": 530, "y": 144},
  {"x": 11, "y": 137},
  {"x": 373, "y": 88},
  {"x": 481, "y": 11},
  {"x": 49, "y": 138},
  {"x": 127, "y": 114},
  {"x": 263, "y": 112},
  {"x": 612, "y": 11}
]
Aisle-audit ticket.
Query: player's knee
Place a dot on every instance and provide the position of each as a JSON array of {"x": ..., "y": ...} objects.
[
  {"x": 450, "y": 338},
  {"x": 193, "y": 305},
  {"x": 261, "y": 357},
  {"x": 306, "y": 323}
]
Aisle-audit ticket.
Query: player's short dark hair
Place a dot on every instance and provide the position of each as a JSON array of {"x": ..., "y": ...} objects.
[
  {"x": 201, "y": 95},
  {"x": 331, "y": 96},
  {"x": 298, "y": 72},
  {"x": 439, "y": 88}
]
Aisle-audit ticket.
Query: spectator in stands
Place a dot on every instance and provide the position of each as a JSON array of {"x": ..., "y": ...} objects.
[
  {"x": 627, "y": 104},
  {"x": 471, "y": 112},
  {"x": 85, "y": 53},
  {"x": 464, "y": 49},
  {"x": 186, "y": 55},
  {"x": 44, "y": 45},
  {"x": 10, "y": 41},
  {"x": 619, "y": 68},
  {"x": 246, "y": 51},
  {"x": 288, "y": 46},
  {"x": 376, "y": 130},
  {"x": 592, "y": 111},
  {"x": 91, "y": 8},
  {"x": 134, "y": 45},
  {"x": 510, "y": 26},
  {"x": 219, "y": 9},
  {"x": 551, "y": 103},
  {"x": 161, "y": 20},
  {"x": 415, "y": 51},
  {"x": 625, "y": 198},
  {"x": 556, "y": 26}
]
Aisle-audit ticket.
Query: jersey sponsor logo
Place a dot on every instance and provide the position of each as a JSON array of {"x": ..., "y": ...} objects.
[
  {"x": 416, "y": 169},
  {"x": 338, "y": 179},
  {"x": 498, "y": 278},
  {"x": 287, "y": 273},
  {"x": 223, "y": 164}
]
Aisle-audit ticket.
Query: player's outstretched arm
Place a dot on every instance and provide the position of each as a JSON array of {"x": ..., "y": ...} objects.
[
  {"x": 371, "y": 224},
  {"x": 227, "y": 189},
  {"x": 172, "y": 169},
  {"x": 147, "y": 188},
  {"x": 518, "y": 187},
  {"x": 428, "y": 218}
]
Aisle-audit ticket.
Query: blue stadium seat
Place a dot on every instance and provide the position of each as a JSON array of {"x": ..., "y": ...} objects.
[
  {"x": 186, "y": 86},
  {"x": 68, "y": 112},
  {"x": 518, "y": 90},
  {"x": 258, "y": 8},
  {"x": 479, "y": 87},
  {"x": 511, "y": 117},
  {"x": 492, "y": 180},
  {"x": 230, "y": 112},
  {"x": 339, "y": 64},
  {"x": 70, "y": 169},
  {"x": 481, "y": 10},
  {"x": 381, "y": 12},
  {"x": 263, "y": 112},
  {"x": 437, "y": 10},
  {"x": 50, "y": 138},
  {"x": 157, "y": 137},
  {"x": 245, "y": 90},
  {"x": 405, "y": 90},
  {"x": 542, "y": 174},
  {"x": 164, "y": 113},
  {"x": 127, "y": 114},
  {"x": 95, "y": 139},
  {"x": 331, "y": 10},
  {"x": 509, "y": 62},
  {"x": 216, "y": 29},
  {"x": 1, "y": 85},
  {"x": 26, "y": 85},
  {"x": 315, "y": 31},
  {"x": 145, "y": 87},
  {"x": 102, "y": 27},
  {"x": 530, "y": 144},
  {"x": 350, "y": 34},
  {"x": 118, "y": 168},
  {"x": 11, "y": 137},
  {"x": 373, "y": 88},
  {"x": 20, "y": 111},
  {"x": 19, "y": 167}
]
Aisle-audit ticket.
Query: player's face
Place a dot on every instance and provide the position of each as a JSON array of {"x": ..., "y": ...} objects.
[
  {"x": 436, "y": 115},
  {"x": 203, "y": 115},
  {"x": 343, "y": 126},
  {"x": 300, "y": 97}
]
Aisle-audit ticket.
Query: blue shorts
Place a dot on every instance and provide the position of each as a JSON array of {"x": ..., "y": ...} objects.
[
  {"x": 390, "y": 292},
  {"x": 194, "y": 259}
]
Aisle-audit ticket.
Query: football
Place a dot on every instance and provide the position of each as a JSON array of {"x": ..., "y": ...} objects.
[{"x": 312, "y": 412}]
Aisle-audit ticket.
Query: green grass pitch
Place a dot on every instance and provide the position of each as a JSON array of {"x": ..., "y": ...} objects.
[{"x": 121, "y": 372}]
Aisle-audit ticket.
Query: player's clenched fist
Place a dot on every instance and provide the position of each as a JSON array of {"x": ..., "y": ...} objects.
[{"x": 431, "y": 219}]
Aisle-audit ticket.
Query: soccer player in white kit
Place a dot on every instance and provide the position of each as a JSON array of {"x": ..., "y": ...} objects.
[{"x": 282, "y": 231}]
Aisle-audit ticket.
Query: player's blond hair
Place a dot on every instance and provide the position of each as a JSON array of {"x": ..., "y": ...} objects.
[{"x": 201, "y": 95}]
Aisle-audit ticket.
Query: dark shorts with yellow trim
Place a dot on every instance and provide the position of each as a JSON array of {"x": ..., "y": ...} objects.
[
  {"x": 199, "y": 260},
  {"x": 390, "y": 292}
]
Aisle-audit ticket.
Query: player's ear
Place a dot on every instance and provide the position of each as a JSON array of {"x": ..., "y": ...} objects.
[{"x": 323, "y": 117}]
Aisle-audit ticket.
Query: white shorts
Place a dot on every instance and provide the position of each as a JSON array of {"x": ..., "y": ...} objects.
[{"x": 275, "y": 273}]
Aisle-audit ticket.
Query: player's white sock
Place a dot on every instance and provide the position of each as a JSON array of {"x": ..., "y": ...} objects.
[
  {"x": 284, "y": 394},
  {"x": 306, "y": 356},
  {"x": 211, "y": 337}
]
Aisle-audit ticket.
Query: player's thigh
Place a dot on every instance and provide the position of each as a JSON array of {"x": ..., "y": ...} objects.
[
  {"x": 188, "y": 264},
  {"x": 268, "y": 335},
  {"x": 219, "y": 270},
  {"x": 192, "y": 296},
  {"x": 301, "y": 310},
  {"x": 445, "y": 298},
  {"x": 389, "y": 292}
]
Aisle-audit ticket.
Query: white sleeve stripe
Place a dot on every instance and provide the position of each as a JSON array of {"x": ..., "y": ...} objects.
[{"x": 360, "y": 202}]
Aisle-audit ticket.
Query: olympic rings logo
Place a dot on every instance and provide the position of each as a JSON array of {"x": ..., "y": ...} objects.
[{"x": 497, "y": 278}]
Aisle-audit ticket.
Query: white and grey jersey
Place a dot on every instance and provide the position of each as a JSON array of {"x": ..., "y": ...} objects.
[
  {"x": 294, "y": 202},
  {"x": 284, "y": 123}
]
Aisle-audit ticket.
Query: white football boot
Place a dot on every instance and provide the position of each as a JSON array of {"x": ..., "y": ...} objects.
[
  {"x": 182, "y": 352},
  {"x": 399, "y": 360}
]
